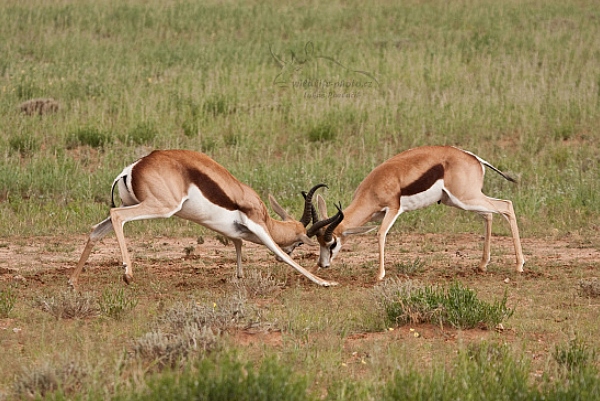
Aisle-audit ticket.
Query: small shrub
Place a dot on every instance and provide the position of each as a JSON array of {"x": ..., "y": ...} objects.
[
  {"x": 227, "y": 378},
  {"x": 190, "y": 129},
  {"x": 115, "y": 304},
  {"x": 40, "y": 381},
  {"x": 230, "y": 312},
  {"x": 258, "y": 285},
  {"x": 89, "y": 136},
  {"x": 321, "y": 132},
  {"x": 170, "y": 349},
  {"x": 574, "y": 355},
  {"x": 457, "y": 306},
  {"x": 7, "y": 301},
  {"x": 589, "y": 288},
  {"x": 411, "y": 267},
  {"x": 69, "y": 305},
  {"x": 25, "y": 144},
  {"x": 141, "y": 134}
]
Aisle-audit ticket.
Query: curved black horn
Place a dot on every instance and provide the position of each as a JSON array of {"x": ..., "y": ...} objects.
[
  {"x": 338, "y": 219},
  {"x": 314, "y": 229},
  {"x": 308, "y": 207}
]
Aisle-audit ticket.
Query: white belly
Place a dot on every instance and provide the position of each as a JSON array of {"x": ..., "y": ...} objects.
[
  {"x": 199, "y": 209},
  {"x": 422, "y": 199}
]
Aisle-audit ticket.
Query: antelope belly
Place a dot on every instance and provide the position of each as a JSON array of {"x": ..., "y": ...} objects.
[
  {"x": 199, "y": 209},
  {"x": 422, "y": 199}
]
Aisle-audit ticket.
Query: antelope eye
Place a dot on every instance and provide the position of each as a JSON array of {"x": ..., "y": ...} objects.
[{"x": 332, "y": 246}]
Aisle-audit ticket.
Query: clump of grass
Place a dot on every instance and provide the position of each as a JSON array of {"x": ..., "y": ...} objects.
[
  {"x": 257, "y": 284},
  {"x": 589, "y": 288},
  {"x": 69, "y": 305},
  {"x": 411, "y": 267},
  {"x": 169, "y": 349},
  {"x": 89, "y": 136},
  {"x": 227, "y": 378},
  {"x": 217, "y": 105},
  {"x": 457, "y": 306},
  {"x": 25, "y": 144},
  {"x": 186, "y": 330},
  {"x": 40, "y": 381},
  {"x": 321, "y": 132},
  {"x": 487, "y": 371},
  {"x": 141, "y": 134},
  {"x": 8, "y": 299},
  {"x": 115, "y": 303},
  {"x": 230, "y": 312},
  {"x": 574, "y": 355}
]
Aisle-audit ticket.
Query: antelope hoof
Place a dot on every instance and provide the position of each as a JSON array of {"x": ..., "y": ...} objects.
[
  {"x": 72, "y": 284},
  {"x": 127, "y": 278}
]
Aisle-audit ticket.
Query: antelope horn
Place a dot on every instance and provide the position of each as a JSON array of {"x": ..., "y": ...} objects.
[
  {"x": 332, "y": 221},
  {"x": 337, "y": 220},
  {"x": 308, "y": 207}
]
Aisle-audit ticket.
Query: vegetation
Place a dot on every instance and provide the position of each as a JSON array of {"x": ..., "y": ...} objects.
[{"x": 286, "y": 95}]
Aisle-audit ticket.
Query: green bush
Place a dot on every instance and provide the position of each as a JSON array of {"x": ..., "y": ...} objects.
[
  {"x": 457, "y": 306},
  {"x": 115, "y": 304}
]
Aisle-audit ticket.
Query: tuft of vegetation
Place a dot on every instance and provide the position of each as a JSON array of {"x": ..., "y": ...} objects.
[
  {"x": 25, "y": 144},
  {"x": 457, "y": 306},
  {"x": 258, "y": 284},
  {"x": 89, "y": 136},
  {"x": 141, "y": 134},
  {"x": 69, "y": 305},
  {"x": 66, "y": 379},
  {"x": 589, "y": 288},
  {"x": 161, "y": 349},
  {"x": 409, "y": 268},
  {"x": 574, "y": 355},
  {"x": 322, "y": 132},
  {"x": 116, "y": 303},
  {"x": 8, "y": 299},
  {"x": 227, "y": 378}
]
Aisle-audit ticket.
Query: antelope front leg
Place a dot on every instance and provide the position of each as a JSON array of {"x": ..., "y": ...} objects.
[{"x": 386, "y": 224}]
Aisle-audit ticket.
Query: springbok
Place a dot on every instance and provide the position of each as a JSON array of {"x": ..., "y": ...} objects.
[
  {"x": 412, "y": 180},
  {"x": 194, "y": 187}
]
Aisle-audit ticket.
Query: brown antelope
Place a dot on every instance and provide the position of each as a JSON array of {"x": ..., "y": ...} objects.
[
  {"x": 412, "y": 180},
  {"x": 194, "y": 187}
]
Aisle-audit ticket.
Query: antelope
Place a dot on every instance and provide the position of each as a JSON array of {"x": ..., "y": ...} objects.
[
  {"x": 194, "y": 187},
  {"x": 413, "y": 180}
]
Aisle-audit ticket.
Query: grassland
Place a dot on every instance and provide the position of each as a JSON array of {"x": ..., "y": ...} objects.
[{"x": 286, "y": 95}]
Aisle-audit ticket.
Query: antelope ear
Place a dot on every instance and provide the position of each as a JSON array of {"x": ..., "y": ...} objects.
[
  {"x": 322, "y": 206},
  {"x": 278, "y": 209},
  {"x": 359, "y": 230},
  {"x": 306, "y": 240}
]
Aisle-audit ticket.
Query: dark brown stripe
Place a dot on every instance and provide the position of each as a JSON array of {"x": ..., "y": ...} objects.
[
  {"x": 424, "y": 182},
  {"x": 212, "y": 190}
]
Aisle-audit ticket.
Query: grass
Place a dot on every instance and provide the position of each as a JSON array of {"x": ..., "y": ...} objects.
[
  {"x": 286, "y": 95},
  {"x": 457, "y": 306}
]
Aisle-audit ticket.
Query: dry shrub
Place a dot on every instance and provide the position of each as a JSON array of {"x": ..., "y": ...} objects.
[
  {"x": 589, "y": 288},
  {"x": 171, "y": 349},
  {"x": 257, "y": 284},
  {"x": 39, "y": 106},
  {"x": 49, "y": 377},
  {"x": 69, "y": 305}
]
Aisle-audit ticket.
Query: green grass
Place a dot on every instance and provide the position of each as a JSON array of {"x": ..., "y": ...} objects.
[{"x": 253, "y": 84}]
